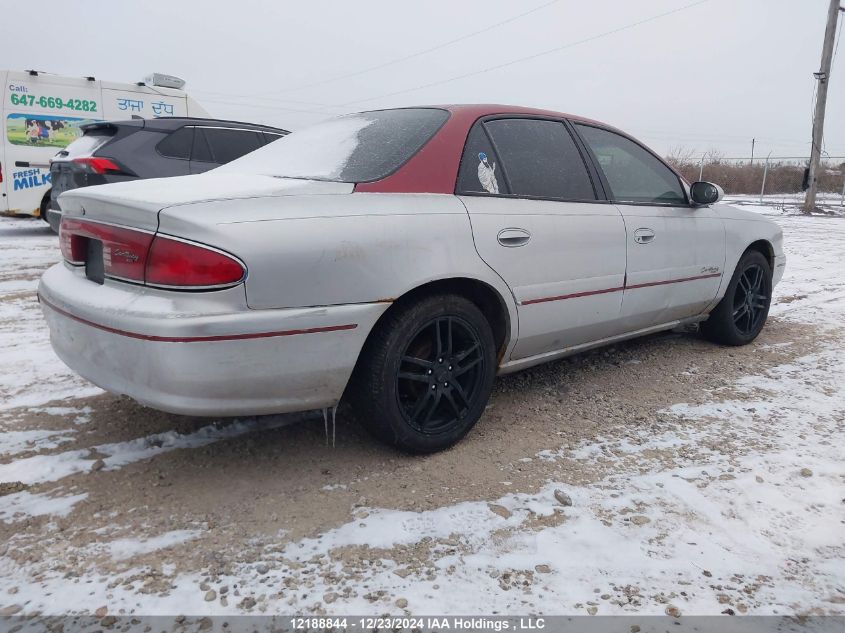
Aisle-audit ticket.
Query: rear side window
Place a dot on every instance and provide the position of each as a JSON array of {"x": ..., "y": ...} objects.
[
  {"x": 269, "y": 137},
  {"x": 201, "y": 151},
  {"x": 177, "y": 144},
  {"x": 539, "y": 159},
  {"x": 633, "y": 173},
  {"x": 227, "y": 145},
  {"x": 481, "y": 169}
]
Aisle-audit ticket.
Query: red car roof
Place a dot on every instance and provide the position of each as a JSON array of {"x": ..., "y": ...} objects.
[{"x": 434, "y": 169}]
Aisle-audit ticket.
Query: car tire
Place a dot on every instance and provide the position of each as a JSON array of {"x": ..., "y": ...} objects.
[
  {"x": 742, "y": 312},
  {"x": 420, "y": 398},
  {"x": 45, "y": 204}
]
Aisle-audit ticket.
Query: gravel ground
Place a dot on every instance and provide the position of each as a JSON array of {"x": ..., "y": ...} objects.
[{"x": 109, "y": 507}]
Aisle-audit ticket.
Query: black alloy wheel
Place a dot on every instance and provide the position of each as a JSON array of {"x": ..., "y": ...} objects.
[
  {"x": 425, "y": 374},
  {"x": 440, "y": 374},
  {"x": 751, "y": 300},
  {"x": 741, "y": 314}
]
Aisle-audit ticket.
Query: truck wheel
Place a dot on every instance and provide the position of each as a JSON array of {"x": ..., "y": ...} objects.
[
  {"x": 742, "y": 312},
  {"x": 425, "y": 374}
]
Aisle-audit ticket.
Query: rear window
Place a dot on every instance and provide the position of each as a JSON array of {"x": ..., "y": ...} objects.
[
  {"x": 85, "y": 145},
  {"x": 356, "y": 148}
]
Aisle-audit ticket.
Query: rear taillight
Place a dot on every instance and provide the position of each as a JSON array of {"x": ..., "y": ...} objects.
[
  {"x": 99, "y": 164},
  {"x": 124, "y": 250},
  {"x": 177, "y": 264},
  {"x": 154, "y": 260}
]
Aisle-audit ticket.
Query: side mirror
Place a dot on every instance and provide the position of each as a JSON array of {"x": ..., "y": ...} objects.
[{"x": 704, "y": 193}]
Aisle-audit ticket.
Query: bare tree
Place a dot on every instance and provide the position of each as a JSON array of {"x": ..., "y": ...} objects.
[{"x": 679, "y": 156}]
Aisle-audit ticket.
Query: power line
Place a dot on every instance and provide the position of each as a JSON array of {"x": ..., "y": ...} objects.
[
  {"x": 322, "y": 113},
  {"x": 250, "y": 96},
  {"x": 417, "y": 54},
  {"x": 527, "y": 57}
]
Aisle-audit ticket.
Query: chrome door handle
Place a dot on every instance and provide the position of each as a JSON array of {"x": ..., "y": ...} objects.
[
  {"x": 513, "y": 237},
  {"x": 643, "y": 236}
]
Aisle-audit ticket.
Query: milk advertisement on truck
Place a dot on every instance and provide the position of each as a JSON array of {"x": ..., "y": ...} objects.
[{"x": 42, "y": 114}]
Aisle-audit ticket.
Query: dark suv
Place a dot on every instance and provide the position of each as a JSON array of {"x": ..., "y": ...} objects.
[{"x": 114, "y": 151}]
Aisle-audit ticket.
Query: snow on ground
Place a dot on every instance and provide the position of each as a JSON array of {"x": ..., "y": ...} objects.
[
  {"x": 27, "y": 248},
  {"x": 787, "y": 203},
  {"x": 54, "y": 466},
  {"x": 732, "y": 504}
]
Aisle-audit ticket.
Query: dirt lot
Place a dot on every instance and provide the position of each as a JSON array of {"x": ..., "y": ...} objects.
[{"x": 108, "y": 505}]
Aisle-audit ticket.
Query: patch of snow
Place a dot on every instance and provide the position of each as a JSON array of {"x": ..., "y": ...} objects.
[
  {"x": 125, "y": 548},
  {"x": 22, "y": 505},
  {"x": 39, "y": 469},
  {"x": 13, "y": 442}
]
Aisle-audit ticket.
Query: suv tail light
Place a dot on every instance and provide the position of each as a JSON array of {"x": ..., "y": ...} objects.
[
  {"x": 150, "y": 259},
  {"x": 99, "y": 164}
]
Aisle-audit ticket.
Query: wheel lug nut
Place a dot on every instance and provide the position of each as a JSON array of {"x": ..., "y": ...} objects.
[
  {"x": 429, "y": 372},
  {"x": 439, "y": 360},
  {"x": 450, "y": 368},
  {"x": 445, "y": 384},
  {"x": 434, "y": 386}
]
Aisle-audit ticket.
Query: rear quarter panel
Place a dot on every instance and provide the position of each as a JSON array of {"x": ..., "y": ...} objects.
[{"x": 317, "y": 250}]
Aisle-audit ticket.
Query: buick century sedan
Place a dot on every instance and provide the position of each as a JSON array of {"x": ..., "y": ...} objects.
[{"x": 400, "y": 259}]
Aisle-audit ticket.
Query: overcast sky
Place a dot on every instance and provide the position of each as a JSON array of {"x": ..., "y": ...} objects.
[{"x": 713, "y": 75}]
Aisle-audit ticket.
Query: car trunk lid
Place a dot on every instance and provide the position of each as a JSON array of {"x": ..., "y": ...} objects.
[{"x": 138, "y": 203}]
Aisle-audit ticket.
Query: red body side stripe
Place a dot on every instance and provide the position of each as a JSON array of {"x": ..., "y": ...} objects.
[
  {"x": 573, "y": 295},
  {"x": 673, "y": 281},
  {"x": 626, "y": 287},
  {"x": 197, "y": 339}
]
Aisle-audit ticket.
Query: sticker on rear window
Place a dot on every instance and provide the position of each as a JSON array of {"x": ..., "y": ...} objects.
[{"x": 487, "y": 174}]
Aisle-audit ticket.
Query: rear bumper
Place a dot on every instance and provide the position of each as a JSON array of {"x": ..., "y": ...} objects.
[{"x": 203, "y": 353}]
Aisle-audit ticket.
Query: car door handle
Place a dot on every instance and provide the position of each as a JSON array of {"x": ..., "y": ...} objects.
[
  {"x": 513, "y": 237},
  {"x": 643, "y": 236}
]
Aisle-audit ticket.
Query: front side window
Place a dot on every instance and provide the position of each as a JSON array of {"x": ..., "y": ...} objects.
[
  {"x": 355, "y": 148},
  {"x": 633, "y": 173}
]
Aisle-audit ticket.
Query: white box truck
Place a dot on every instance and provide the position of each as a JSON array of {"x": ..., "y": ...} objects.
[{"x": 41, "y": 114}]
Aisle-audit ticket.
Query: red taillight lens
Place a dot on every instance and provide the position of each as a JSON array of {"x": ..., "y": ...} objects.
[
  {"x": 124, "y": 250},
  {"x": 99, "y": 165},
  {"x": 154, "y": 260},
  {"x": 175, "y": 264},
  {"x": 72, "y": 242}
]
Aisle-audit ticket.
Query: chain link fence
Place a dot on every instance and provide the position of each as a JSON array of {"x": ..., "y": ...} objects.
[{"x": 761, "y": 175}]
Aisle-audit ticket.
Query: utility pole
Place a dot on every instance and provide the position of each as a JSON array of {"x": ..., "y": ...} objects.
[
  {"x": 752, "y": 151},
  {"x": 823, "y": 77}
]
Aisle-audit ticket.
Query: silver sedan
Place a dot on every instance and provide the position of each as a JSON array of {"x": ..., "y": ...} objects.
[{"x": 400, "y": 258}]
